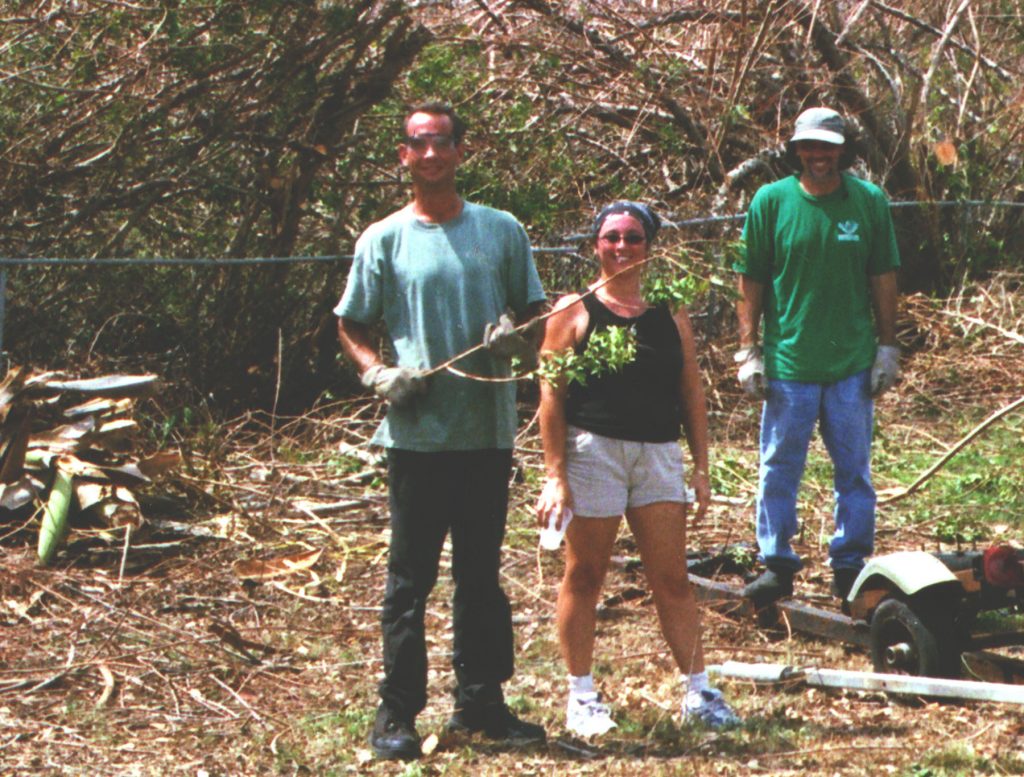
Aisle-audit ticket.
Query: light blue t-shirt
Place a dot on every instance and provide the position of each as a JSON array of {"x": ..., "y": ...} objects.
[{"x": 436, "y": 287}]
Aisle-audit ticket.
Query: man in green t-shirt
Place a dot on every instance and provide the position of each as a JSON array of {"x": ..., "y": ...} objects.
[
  {"x": 819, "y": 271},
  {"x": 440, "y": 275}
]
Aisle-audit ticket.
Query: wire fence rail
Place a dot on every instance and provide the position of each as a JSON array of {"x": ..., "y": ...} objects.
[
  {"x": 6, "y": 261},
  {"x": 569, "y": 250},
  {"x": 210, "y": 261}
]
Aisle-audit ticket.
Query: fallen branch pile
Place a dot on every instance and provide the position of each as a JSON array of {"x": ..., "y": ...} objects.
[{"x": 66, "y": 448}]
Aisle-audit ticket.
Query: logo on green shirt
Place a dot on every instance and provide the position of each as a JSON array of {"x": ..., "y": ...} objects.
[{"x": 848, "y": 231}]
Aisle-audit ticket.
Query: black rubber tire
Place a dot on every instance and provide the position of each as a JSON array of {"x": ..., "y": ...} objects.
[{"x": 925, "y": 631}]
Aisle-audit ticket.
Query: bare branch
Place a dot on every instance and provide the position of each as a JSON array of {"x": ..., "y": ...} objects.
[{"x": 922, "y": 25}]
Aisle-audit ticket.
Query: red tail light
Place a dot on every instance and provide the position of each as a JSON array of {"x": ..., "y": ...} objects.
[{"x": 1002, "y": 567}]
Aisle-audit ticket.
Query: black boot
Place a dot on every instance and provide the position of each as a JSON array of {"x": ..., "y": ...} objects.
[
  {"x": 497, "y": 721},
  {"x": 393, "y": 737},
  {"x": 773, "y": 584},
  {"x": 842, "y": 581}
]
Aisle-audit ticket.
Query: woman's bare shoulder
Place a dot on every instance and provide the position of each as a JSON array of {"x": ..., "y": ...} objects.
[
  {"x": 567, "y": 322},
  {"x": 562, "y": 303},
  {"x": 682, "y": 319}
]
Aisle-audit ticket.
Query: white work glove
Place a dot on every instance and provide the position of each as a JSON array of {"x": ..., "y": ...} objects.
[
  {"x": 886, "y": 369},
  {"x": 502, "y": 341},
  {"x": 751, "y": 372},
  {"x": 398, "y": 385}
]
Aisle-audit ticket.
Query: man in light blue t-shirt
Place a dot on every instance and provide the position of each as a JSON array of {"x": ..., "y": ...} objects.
[
  {"x": 819, "y": 270},
  {"x": 444, "y": 276}
]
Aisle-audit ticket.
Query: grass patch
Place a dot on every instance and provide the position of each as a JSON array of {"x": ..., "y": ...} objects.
[
  {"x": 957, "y": 760},
  {"x": 975, "y": 496}
]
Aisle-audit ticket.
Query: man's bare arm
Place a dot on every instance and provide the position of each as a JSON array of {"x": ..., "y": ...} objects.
[
  {"x": 357, "y": 344},
  {"x": 748, "y": 310},
  {"x": 883, "y": 296}
]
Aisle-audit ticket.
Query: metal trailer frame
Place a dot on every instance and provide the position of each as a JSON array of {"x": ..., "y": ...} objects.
[{"x": 914, "y": 611}]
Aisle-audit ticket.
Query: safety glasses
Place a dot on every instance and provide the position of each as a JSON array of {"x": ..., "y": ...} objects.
[{"x": 419, "y": 143}]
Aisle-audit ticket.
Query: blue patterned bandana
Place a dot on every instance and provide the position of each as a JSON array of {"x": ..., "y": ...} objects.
[{"x": 637, "y": 210}]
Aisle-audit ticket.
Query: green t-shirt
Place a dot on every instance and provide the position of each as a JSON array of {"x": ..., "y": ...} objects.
[
  {"x": 815, "y": 256},
  {"x": 436, "y": 286}
]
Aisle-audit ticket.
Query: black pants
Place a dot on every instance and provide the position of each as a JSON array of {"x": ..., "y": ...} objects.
[{"x": 466, "y": 493}]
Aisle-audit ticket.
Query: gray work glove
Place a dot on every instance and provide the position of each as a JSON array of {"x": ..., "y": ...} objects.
[
  {"x": 503, "y": 342},
  {"x": 398, "y": 385},
  {"x": 751, "y": 372},
  {"x": 886, "y": 369}
]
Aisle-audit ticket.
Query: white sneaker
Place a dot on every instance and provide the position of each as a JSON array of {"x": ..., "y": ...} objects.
[
  {"x": 586, "y": 716},
  {"x": 710, "y": 708}
]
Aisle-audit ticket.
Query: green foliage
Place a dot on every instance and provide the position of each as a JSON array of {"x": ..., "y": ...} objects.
[
  {"x": 975, "y": 491},
  {"x": 957, "y": 529},
  {"x": 231, "y": 151},
  {"x": 322, "y": 738},
  {"x": 446, "y": 71},
  {"x": 729, "y": 473},
  {"x": 191, "y": 428},
  {"x": 955, "y": 760},
  {"x": 742, "y": 555},
  {"x": 733, "y": 251},
  {"x": 266, "y": 128},
  {"x": 339, "y": 18},
  {"x": 607, "y": 351},
  {"x": 676, "y": 291},
  {"x": 501, "y": 133},
  {"x": 772, "y": 730},
  {"x": 992, "y": 621},
  {"x": 340, "y": 465}
]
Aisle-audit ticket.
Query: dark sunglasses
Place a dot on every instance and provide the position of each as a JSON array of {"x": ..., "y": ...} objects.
[
  {"x": 435, "y": 141},
  {"x": 630, "y": 238}
]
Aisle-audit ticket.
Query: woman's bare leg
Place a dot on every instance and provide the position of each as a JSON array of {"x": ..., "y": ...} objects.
[
  {"x": 660, "y": 532},
  {"x": 588, "y": 550}
]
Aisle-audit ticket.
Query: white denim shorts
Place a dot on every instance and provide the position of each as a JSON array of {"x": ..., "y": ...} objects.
[{"x": 608, "y": 476}]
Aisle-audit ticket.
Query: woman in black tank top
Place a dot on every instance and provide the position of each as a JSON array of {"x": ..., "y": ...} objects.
[
  {"x": 640, "y": 411},
  {"x": 640, "y": 401}
]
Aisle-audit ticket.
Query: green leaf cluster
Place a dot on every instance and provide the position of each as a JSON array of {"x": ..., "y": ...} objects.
[
  {"x": 607, "y": 351},
  {"x": 957, "y": 529},
  {"x": 676, "y": 291}
]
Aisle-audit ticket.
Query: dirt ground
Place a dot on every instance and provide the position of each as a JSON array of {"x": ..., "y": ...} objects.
[{"x": 196, "y": 661}]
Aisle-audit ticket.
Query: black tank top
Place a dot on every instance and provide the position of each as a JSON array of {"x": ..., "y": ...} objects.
[{"x": 641, "y": 401}]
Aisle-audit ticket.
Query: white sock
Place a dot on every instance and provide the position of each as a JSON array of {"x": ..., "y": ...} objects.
[
  {"x": 694, "y": 684},
  {"x": 582, "y": 684}
]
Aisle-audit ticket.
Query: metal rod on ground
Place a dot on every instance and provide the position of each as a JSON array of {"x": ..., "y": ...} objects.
[{"x": 873, "y": 681}]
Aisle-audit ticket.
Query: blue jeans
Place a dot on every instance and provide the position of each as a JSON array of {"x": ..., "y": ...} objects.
[{"x": 844, "y": 413}]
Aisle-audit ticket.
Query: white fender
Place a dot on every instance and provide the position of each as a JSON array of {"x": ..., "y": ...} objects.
[{"x": 909, "y": 571}]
